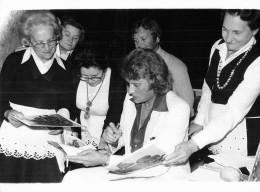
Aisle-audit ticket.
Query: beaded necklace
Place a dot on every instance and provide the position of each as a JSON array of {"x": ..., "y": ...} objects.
[
  {"x": 89, "y": 102},
  {"x": 232, "y": 72}
]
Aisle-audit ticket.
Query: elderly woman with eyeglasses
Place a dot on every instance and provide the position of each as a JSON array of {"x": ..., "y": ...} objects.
[
  {"x": 99, "y": 94},
  {"x": 32, "y": 82}
]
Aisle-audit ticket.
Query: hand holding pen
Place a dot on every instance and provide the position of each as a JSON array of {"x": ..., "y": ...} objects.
[{"x": 112, "y": 133}]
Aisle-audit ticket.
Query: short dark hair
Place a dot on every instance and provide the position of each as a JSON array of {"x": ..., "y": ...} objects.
[
  {"x": 89, "y": 58},
  {"x": 148, "y": 24},
  {"x": 250, "y": 15},
  {"x": 69, "y": 20},
  {"x": 147, "y": 64}
]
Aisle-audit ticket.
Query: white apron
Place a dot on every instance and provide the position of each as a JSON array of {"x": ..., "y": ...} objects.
[
  {"x": 235, "y": 141},
  {"x": 29, "y": 143}
]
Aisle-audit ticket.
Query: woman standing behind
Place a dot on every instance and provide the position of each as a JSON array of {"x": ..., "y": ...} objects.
[
  {"x": 228, "y": 118},
  {"x": 73, "y": 33},
  {"x": 99, "y": 94},
  {"x": 32, "y": 82}
]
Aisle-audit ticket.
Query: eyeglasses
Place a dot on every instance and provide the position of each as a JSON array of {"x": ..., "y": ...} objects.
[
  {"x": 87, "y": 79},
  {"x": 41, "y": 45}
]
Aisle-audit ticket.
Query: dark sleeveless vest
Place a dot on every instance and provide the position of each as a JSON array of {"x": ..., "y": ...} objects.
[{"x": 221, "y": 96}]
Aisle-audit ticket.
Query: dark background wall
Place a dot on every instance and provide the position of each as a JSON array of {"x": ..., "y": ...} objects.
[{"x": 187, "y": 33}]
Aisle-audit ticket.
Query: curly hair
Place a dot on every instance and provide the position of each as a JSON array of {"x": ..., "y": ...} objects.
[
  {"x": 147, "y": 64},
  {"x": 33, "y": 18},
  {"x": 252, "y": 16}
]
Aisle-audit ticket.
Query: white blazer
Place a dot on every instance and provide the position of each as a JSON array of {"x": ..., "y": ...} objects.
[{"x": 169, "y": 128}]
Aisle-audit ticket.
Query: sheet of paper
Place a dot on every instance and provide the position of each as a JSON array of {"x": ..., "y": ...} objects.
[
  {"x": 72, "y": 146},
  {"x": 146, "y": 157},
  {"x": 204, "y": 174},
  {"x": 233, "y": 160}
]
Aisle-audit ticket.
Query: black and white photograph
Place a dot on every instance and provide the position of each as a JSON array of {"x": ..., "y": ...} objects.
[{"x": 122, "y": 76}]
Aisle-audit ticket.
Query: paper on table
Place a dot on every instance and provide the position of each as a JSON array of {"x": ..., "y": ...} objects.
[
  {"x": 70, "y": 150},
  {"x": 73, "y": 145},
  {"x": 140, "y": 174},
  {"x": 144, "y": 158},
  {"x": 233, "y": 160}
]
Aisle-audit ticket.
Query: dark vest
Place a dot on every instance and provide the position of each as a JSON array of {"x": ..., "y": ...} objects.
[{"x": 221, "y": 96}]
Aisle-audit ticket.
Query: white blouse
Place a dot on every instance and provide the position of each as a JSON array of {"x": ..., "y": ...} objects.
[
  {"x": 238, "y": 104},
  {"x": 99, "y": 107}
]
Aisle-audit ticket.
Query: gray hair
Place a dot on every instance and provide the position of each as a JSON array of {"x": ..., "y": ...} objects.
[{"x": 33, "y": 18}]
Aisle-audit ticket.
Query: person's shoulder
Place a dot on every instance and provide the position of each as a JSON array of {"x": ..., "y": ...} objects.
[
  {"x": 17, "y": 55},
  {"x": 172, "y": 60},
  {"x": 174, "y": 101}
]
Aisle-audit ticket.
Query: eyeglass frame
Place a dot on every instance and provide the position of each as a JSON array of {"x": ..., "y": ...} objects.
[
  {"x": 50, "y": 43},
  {"x": 93, "y": 79}
]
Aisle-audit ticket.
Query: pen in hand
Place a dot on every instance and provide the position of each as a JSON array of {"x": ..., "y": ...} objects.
[
  {"x": 116, "y": 131},
  {"x": 117, "y": 126}
]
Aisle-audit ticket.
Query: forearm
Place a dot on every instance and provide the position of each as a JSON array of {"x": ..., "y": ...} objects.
[
  {"x": 238, "y": 105},
  {"x": 203, "y": 105}
]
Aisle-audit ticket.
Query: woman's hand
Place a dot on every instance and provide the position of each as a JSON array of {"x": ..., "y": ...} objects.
[
  {"x": 103, "y": 145},
  {"x": 90, "y": 158},
  {"x": 112, "y": 134},
  {"x": 11, "y": 116},
  {"x": 181, "y": 153},
  {"x": 194, "y": 129}
]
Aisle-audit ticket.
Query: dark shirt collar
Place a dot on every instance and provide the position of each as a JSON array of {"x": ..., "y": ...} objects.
[{"x": 159, "y": 103}]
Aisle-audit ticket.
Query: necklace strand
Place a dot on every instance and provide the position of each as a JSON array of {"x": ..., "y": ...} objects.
[
  {"x": 232, "y": 72},
  {"x": 89, "y": 103}
]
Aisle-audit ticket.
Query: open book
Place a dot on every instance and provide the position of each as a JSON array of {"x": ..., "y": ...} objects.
[
  {"x": 73, "y": 145},
  {"x": 53, "y": 120},
  {"x": 133, "y": 164}
]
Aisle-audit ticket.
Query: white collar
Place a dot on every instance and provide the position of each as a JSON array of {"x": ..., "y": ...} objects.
[
  {"x": 223, "y": 48},
  {"x": 43, "y": 67},
  {"x": 58, "y": 52}
]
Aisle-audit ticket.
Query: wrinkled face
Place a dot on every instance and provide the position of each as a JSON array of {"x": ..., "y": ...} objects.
[
  {"x": 236, "y": 33},
  {"x": 93, "y": 75},
  {"x": 144, "y": 39},
  {"x": 70, "y": 38},
  {"x": 140, "y": 90},
  {"x": 43, "y": 41}
]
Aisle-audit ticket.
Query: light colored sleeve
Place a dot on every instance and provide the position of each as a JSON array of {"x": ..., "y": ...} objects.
[
  {"x": 174, "y": 129},
  {"x": 204, "y": 103},
  {"x": 237, "y": 107},
  {"x": 181, "y": 82}
]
